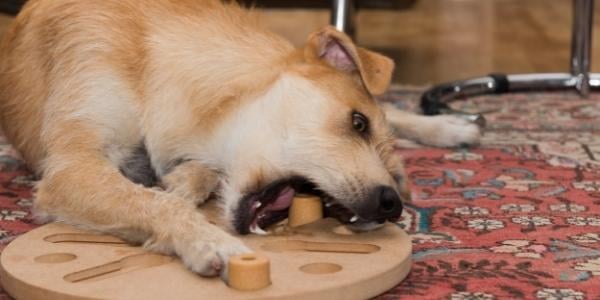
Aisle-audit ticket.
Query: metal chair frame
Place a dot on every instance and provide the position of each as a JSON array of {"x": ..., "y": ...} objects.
[{"x": 435, "y": 100}]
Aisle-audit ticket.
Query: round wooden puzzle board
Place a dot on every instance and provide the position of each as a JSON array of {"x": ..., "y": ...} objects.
[{"x": 56, "y": 261}]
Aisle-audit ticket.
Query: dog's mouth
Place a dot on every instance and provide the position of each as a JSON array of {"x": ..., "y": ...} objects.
[{"x": 270, "y": 205}]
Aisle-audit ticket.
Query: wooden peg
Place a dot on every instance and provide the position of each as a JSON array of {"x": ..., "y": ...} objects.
[
  {"x": 305, "y": 209},
  {"x": 249, "y": 272}
]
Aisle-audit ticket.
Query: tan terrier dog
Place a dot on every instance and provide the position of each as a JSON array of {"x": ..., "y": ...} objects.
[{"x": 107, "y": 98}]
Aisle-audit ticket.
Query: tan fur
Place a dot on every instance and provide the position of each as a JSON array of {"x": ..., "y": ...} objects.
[
  {"x": 82, "y": 82},
  {"x": 191, "y": 181}
]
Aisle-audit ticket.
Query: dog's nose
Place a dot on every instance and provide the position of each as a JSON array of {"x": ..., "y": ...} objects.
[
  {"x": 383, "y": 204},
  {"x": 389, "y": 202}
]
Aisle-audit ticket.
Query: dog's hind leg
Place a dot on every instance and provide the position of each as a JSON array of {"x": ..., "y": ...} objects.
[
  {"x": 438, "y": 131},
  {"x": 82, "y": 186},
  {"x": 192, "y": 181}
]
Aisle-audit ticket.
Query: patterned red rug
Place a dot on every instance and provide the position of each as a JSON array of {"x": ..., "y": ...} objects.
[{"x": 517, "y": 218}]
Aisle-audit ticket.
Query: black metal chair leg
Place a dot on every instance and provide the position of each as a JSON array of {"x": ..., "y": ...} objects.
[{"x": 435, "y": 100}]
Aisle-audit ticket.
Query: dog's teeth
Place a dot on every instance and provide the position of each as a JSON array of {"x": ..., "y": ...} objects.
[
  {"x": 354, "y": 219},
  {"x": 328, "y": 204},
  {"x": 258, "y": 205},
  {"x": 257, "y": 230}
]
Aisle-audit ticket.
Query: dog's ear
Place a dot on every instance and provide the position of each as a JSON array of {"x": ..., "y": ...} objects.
[{"x": 337, "y": 49}]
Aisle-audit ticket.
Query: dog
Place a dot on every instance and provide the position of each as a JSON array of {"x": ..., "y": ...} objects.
[{"x": 134, "y": 112}]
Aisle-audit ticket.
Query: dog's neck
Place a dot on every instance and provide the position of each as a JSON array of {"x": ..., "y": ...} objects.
[{"x": 220, "y": 74}]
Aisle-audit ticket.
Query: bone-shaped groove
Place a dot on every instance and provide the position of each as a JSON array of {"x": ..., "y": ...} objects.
[
  {"x": 123, "y": 265},
  {"x": 300, "y": 245},
  {"x": 83, "y": 238}
]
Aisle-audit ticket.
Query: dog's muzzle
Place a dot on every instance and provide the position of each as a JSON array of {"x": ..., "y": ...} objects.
[{"x": 384, "y": 204}]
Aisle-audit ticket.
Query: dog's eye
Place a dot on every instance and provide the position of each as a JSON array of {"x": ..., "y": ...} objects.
[{"x": 360, "y": 122}]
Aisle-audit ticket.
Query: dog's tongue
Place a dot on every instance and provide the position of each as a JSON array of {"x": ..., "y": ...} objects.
[{"x": 283, "y": 200}]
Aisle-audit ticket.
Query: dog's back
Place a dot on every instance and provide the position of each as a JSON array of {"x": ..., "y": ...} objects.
[{"x": 57, "y": 50}]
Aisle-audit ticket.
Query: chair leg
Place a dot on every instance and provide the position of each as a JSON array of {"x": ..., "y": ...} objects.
[
  {"x": 342, "y": 16},
  {"x": 435, "y": 100},
  {"x": 581, "y": 43}
]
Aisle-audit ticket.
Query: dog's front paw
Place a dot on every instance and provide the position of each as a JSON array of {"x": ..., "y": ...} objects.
[
  {"x": 451, "y": 131},
  {"x": 209, "y": 258}
]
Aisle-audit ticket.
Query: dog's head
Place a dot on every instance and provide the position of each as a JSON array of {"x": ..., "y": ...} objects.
[{"x": 318, "y": 130}]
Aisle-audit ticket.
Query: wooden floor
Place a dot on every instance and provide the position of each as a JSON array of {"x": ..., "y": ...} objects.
[{"x": 441, "y": 40}]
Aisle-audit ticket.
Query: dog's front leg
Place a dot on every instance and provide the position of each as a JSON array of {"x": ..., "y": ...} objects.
[
  {"x": 81, "y": 186},
  {"x": 192, "y": 181}
]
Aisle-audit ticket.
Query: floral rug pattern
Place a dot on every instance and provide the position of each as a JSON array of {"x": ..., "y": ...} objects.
[{"x": 515, "y": 218}]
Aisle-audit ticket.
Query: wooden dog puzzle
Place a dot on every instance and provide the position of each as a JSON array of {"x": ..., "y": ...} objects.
[{"x": 320, "y": 260}]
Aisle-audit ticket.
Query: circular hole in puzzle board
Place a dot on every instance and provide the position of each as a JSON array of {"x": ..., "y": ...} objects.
[
  {"x": 321, "y": 268},
  {"x": 55, "y": 258}
]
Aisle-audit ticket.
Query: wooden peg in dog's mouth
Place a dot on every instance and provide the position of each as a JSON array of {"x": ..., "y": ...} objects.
[{"x": 305, "y": 209}]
